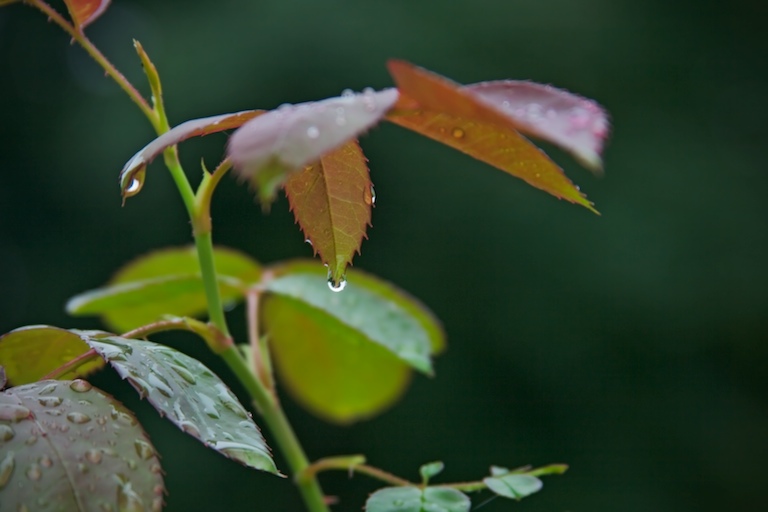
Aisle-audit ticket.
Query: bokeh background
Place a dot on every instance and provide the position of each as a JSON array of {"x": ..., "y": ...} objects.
[{"x": 631, "y": 346}]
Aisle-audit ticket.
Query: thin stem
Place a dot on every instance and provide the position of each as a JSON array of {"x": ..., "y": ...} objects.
[
  {"x": 94, "y": 52},
  {"x": 354, "y": 463},
  {"x": 281, "y": 429},
  {"x": 72, "y": 365},
  {"x": 204, "y": 244}
]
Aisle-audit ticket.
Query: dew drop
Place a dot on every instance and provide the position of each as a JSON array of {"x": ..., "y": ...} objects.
[
  {"x": 6, "y": 432},
  {"x": 457, "y": 133},
  {"x": 80, "y": 386},
  {"x": 128, "y": 500},
  {"x": 143, "y": 449},
  {"x": 190, "y": 428},
  {"x": 369, "y": 196},
  {"x": 579, "y": 118},
  {"x": 30, "y": 440},
  {"x": 308, "y": 241},
  {"x": 347, "y": 93},
  {"x": 184, "y": 373},
  {"x": 227, "y": 400},
  {"x": 49, "y": 401},
  {"x": 160, "y": 384},
  {"x": 133, "y": 186},
  {"x": 34, "y": 473},
  {"x": 93, "y": 455},
  {"x": 337, "y": 285},
  {"x": 313, "y": 132},
  {"x": 6, "y": 469},
  {"x": 78, "y": 417},
  {"x": 13, "y": 412},
  {"x": 47, "y": 390},
  {"x": 341, "y": 117},
  {"x": 46, "y": 461},
  {"x": 53, "y": 412}
]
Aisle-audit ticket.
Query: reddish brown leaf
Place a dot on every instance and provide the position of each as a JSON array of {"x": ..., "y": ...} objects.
[
  {"x": 331, "y": 200},
  {"x": 441, "y": 109},
  {"x": 132, "y": 175},
  {"x": 83, "y": 12}
]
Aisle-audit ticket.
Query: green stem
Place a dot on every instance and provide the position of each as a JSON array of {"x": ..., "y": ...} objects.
[
  {"x": 204, "y": 244},
  {"x": 281, "y": 429}
]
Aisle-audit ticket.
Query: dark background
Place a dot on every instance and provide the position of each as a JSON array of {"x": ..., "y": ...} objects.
[{"x": 631, "y": 346}]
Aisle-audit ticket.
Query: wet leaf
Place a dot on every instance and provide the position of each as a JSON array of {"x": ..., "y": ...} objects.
[
  {"x": 514, "y": 486},
  {"x": 331, "y": 200},
  {"x": 32, "y": 352},
  {"x": 414, "y": 499},
  {"x": 293, "y": 136},
  {"x": 65, "y": 445},
  {"x": 165, "y": 282},
  {"x": 330, "y": 368},
  {"x": 375, "y": 309},
  {"x": 191, "y": 396},
  {"x": 84, "y": 12},
  {"x": 456, "y": 116},
  {"x": 133, "y": 173}
]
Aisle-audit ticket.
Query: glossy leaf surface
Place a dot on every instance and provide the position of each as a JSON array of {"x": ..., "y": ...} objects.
[
  {"x": 333, "y": 370},
  {"x": 134, "y": 171},
  {"x": 65, "y": 445},
  {"x": 453, "y": 115},
  {"x": 377, "y": 310},
  {"x": 165, "y": 282},
  {"x": 85, "y": 12},
  {"x": 331, "y": 200},
  {"x": 293, "y": 136},
  {"x": 414, "y": 499},
  {"x": 514, "y": 486},
  {"x": 191, "y": 396},
  {"x": 32, "y": 352}
]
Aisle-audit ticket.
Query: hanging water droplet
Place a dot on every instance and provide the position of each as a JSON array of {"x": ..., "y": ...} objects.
[
  {"x": 313, "y": 132},
  {"x": 13, "y": 412},
  {"x": 6, "y": 432},
  {"x": 308, "y": 241},
  {"x": 133, "y": 186},
  {"x": 457, "y": 133},
  {"x": 143, "y": 449},
  {"x": 49, "y": 401},
  {"x": 184, "y": 373},
  {"x": 80, "y": 386},
  {"x": 369, "y": 196},
  {"x": 78, "y": 417},
  {"x": 336, "y": 285},
  {"x": 6, "y": 469},
  {"x": 93, "y": 455},
  {"x": 373, "y": 196},
  {"x": 34, "y": 473}
]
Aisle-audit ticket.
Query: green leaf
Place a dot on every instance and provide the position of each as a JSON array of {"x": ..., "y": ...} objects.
[
  {"x": 430, "y": 470},
  {"x": 165, "y": 282},
  {"x": 69, "y": 446},
  {"x": 514, "y": 486},
  {"x": 331, "y": 201},
  {"x": 32, "y": 352},
  {"x": 187, "y": 393},
  {"x": 378, "y": 310},
  {"x": 331, "y": 369},
  {"x": 413, "y": 499}
]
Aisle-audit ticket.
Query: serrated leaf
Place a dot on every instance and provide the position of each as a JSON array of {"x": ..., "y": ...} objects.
[
  {"x": 443, "y": 110},
  {"x": 377, "y": 310},
  {"x": 84, "y": 12},
  {"x": 165, "y": 282},
  {"x": 69, "y": 446},
  {"x": 414, "y": 499},
  {"x": 331, "y": 201},
  {"x": 331, "y": 369},
  {"x": 514, "y": 486},
  {"x": 427, "y": 471},
  {"x": 32, "y": 352},
  {"x": 294, "y": 136},
  {"x": 188, "y": 394},
  {"x": 134, "y": 171},
  {"x": 574, "y": 123}
]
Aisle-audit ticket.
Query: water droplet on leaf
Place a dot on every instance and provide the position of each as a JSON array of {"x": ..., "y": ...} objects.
[
  {"x": 369, "y": 196},
  {"x": 46, "y": 461},
  {"x": 347, "y": 93},
  {"x": 133, "y": 186},
  {"x": 128, "y": 500},
  {"x": 81, "y": 386},
  {"x": 313, "y": 132},
  {"x": 457, "y": 133},
  {"x": 78, "y": 417},
  {"x": 93, "y": 455},
  {"x": 337, "y": 285},
  {"x": 160, "y": 384},
  {"x": 6, "y": 433},
  {"x": 6, "y": 469},
  {"x": 143, "y": 449},
  {"x": 13, "y": 412},
  {"x": 49, "y": 401},
  {"x": 34, "y": 473},
  {"x": 184, "y": 373}
]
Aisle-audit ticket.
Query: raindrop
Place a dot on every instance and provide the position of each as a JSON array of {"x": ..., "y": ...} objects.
[
  {"x": 133, "y": 186},
  {"x": 313, "y": 132},
  {"x": 13, "y": 412},
  {"x": 31, "y": 440},
  {"x": 579, "y": 118},
  {"x": 53, "y": 412},
  {"x": 337, "y": 285},
  {"x": 184, "y": 373},
  {"x": 34, "y": 473},
  {"x": 457, "y": 133},
  {"x": 308, "y": 241},
  {"x": 131, "y": 463},
  {"x": 228, "y": 401},
  {"x": 6, "y": 432},
  {"x": 209, "y": 407},
  {"x": 6, "y": 469},
  {"x": 534, "y": 111},
  {"x": 46, "y": 461},
  {"x": 47, "y": 390},
  {"x": 369, "y": 196},
  {"x": 139, "y": 385},
  {"x": 49, "y": 401},
  {"x": 143, "y": 449},
  {"x": 190, "y": 428},
  {"x": 93, "y": 455},
  {"x": 347, "y": 93},
  {"x": 160, "y": 384},
  {"x": 81, "y": 386},
  {"x": 78, "y": 417},
  {"x": 128, "y": 500}
]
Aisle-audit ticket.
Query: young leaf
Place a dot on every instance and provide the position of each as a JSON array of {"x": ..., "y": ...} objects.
[
  {"x": 331, "y": 200},
  {"x": 413, "y": 499},
  {"x": 431, "y": 469},
  {"x": 514, "y": 486},
  {"x": 165, "y": 282},
  {"x": 29, "y": 353},
  {"x": 186, "y": 392},
  {"x": 134, "y": 171},
  {"x": 293, "y": 136},
  {"x": 68, "y": 446},
  {"x": 330, "y": 368},
  {"x": 456, "y": 116},
  {"x": 376, "y": 310},
  {"x": 84, "y": 12}
]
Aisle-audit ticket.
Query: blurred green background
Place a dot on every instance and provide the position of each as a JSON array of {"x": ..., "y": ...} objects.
[{"x": 631, "y": 346}]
